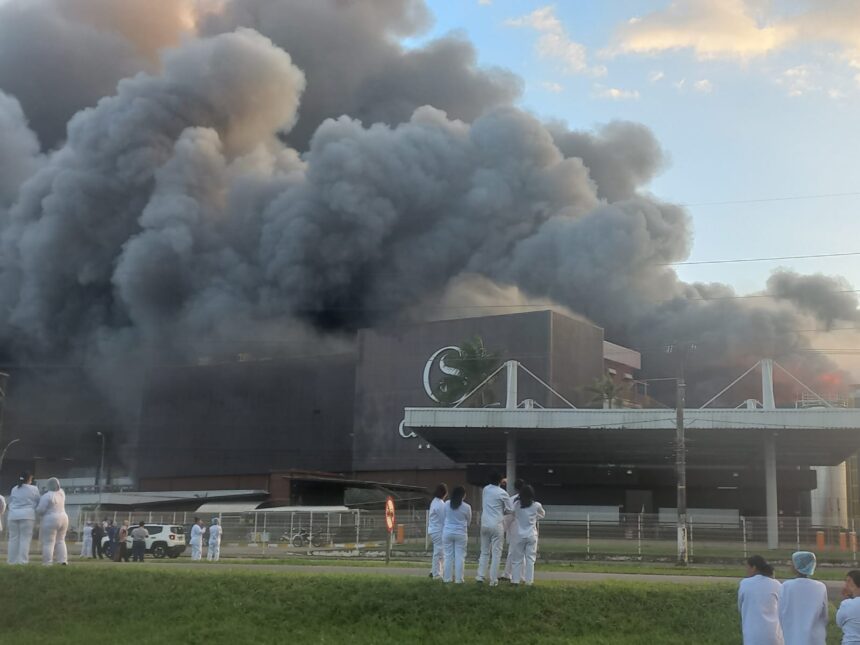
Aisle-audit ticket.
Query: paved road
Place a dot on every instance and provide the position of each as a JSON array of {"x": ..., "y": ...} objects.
[{"x": 833, "y": 587}]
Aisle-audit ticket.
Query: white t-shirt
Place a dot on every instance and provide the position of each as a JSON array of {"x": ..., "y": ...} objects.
[
  {"x": 848, "y": 619},
  {"x": 803, "y": 611},
  {"x": 52, "y": 502},
  {"x": 457, "y": 520},
  {"x": 437, "y": 516},
  {"x": 495, "y": 501},
  {"x": 23, "y": 501},
  {"x": 758, "y": 604},
  {"x": 526, "y": 519}
]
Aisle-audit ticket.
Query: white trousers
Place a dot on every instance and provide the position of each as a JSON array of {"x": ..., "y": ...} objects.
[
  {"x": 525, "y": 550},
  {"x": 87, "y": 548},
  {"x": 455, "y": 556},
  {"x": 509, "y": 560},
  {"x": 492, "y": 539},
  {"x": 20, "y": 536},
  {"x": 214, "y": 551},
  {"x": 52, "y": 533},
  {"x": 196, "y": 551},
  {"x": 438, "y": 563}
]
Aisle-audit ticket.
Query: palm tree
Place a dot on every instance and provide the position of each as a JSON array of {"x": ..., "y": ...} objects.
[
  {"x": 471, "y": 367},
  {"x": 607, "y": 392}
]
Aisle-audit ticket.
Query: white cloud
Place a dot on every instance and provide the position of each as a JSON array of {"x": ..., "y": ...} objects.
[
  {"x": 553, "y": 87},
  {"x": 798, "y": 80},
  {"x": 615, "y": 93},
  {"x": 704, "y": 86},
  {"x": 485, "y": 2},
  {"x": 553, "y": 43},
  {"x": 656, "y": 76}
]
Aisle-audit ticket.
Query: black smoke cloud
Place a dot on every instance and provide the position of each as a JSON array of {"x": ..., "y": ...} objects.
[{"x": 294, "y": 168}]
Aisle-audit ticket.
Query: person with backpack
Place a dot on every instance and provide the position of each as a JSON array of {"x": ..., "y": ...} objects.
[
  {"x": 455, "y": 535},
  {"x": 758, "y": 604},
  {"x": 23, "y": 501},
  {"x": 803, "y": 604},
  {"x": 527, "y": 513},
  {"x": 435, "y": 523}
]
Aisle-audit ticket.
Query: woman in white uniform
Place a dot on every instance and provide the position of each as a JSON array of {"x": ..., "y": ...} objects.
[
  {"x": 87, "y": 545},
  {"x": 803, "y": 604},
  {"x": 214, "y": 553},
  {"x": 435, "y": 522},
  {"x": 455, "y": 535},
  {"x": 23, "y": 501},
  {"x": 197, "y": 539},
  {"x": 758, "y": 604},
  {"x": 527, "y": 512},
  {"x": 55, "y": 523},
  {"x": 848, "y": 616}
]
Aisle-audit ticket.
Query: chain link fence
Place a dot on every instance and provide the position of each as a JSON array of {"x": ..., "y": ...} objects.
[{"x": 614, "y": 536}]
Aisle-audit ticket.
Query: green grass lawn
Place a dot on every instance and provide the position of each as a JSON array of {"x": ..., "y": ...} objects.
[{"x": 212, "y": 605}]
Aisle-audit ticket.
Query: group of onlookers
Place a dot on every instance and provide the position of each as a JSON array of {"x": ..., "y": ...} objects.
[
  {"x": 92, "y": 544},
  {"x": 25, "y": 505},
  {"x": 794, "y": 612},
  {"x": 502, "y": 516}
]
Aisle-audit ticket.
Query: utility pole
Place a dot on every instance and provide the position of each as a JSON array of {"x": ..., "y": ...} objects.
[{"x": 681, "y": 451}]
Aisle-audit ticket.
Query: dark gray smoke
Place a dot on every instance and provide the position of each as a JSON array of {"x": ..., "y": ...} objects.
[
  {"x": 174, "y": 217},
  {"x": 828, "y": 298}
]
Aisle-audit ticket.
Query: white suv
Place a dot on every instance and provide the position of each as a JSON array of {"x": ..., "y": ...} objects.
[{"x": 165, "y": 540}]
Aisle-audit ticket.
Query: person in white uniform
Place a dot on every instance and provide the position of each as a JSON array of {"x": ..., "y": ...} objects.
[
  {"x": 214, "y": 553},
  {"x": 196, "y": 541},
  {"x": 527, "y": 513},
  {"x": 508, "y": 523},
  {"x": 758, "y": 604},
  {"x": 87, "y": 545},
  {"x": 21, "y": 520},
  {"x": 2, "y": 510},
  {"x": 803, "y": 604},
  {"x": 455, "y": 535},
  {"x": 848, "y": 615},
  {"x": 435, "y": 522},
  {"x": 55, "y": 523},
  {"x": 495, "y": 502}
]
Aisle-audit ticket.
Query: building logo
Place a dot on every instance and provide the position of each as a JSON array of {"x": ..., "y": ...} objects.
[
  {"x": 435, "y": 363},
  {"x": 439, "y": 355}
]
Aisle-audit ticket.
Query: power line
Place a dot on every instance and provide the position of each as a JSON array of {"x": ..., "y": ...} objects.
[
  {"x": 760, "y": 200},
  {"x": 763, "y": 259}
]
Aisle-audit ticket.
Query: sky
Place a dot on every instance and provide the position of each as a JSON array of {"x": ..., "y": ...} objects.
[{"x": 753, "y": 102}]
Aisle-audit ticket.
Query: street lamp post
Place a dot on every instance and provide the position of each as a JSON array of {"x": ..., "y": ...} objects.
[
  {"x": 3, "y": 454},
  {"x": 101, "y": 469}
]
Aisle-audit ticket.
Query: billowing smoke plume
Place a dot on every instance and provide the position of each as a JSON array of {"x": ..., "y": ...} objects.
[{"x": 290, "y": 165}]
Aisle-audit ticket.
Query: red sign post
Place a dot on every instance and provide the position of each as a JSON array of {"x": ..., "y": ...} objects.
[{"x": 389, "y": 524}]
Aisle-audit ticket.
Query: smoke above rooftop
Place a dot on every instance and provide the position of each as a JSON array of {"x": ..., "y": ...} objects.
[{"x": 207, "y": 174}]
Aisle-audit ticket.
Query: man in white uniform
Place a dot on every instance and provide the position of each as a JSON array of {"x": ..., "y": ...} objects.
[
  {"x": 803, "y": 604},
  {"x": 214, "y": 541},
  {"x": 87, "y": 545},
  {"x": 848, "y": 616},
  {"x": 495, "y": 503},
  {"x": 435, "y": 523},
  {"x": 197, "y": 539}
]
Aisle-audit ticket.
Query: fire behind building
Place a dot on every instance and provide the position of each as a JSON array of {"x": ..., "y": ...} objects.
[{"x": 236, "y": 425}]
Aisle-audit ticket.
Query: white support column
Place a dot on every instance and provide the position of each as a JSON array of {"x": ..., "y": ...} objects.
[
  {"x": 511, "y": 399},
  {"x": 511, "y": 460},
  {"x": 772, "y": 506},
  {"x": 767, "y": 400}
]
